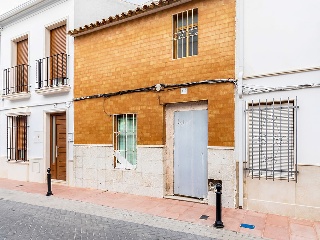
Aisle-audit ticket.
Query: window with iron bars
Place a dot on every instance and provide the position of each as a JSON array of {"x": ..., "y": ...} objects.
[
  {"x": 272, "y": 135},
  {"x": 17, "y": 132},
  {"x": 125, "y": 141},
  {"x": 185, "y": 34}
]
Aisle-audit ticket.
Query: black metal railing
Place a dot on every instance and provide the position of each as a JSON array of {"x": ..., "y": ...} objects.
[
  {"x": 16, "y": 79},
  {"x": 52, "y": 71}
]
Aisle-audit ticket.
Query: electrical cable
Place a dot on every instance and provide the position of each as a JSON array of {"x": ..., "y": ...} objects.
[{"x": 156, "y": 88}]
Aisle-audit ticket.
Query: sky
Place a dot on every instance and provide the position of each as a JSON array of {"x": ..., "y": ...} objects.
[{"x": 7, "y": 5}]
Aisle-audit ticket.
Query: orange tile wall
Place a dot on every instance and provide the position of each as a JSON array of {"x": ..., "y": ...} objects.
[{"x": 138, "y": 53}]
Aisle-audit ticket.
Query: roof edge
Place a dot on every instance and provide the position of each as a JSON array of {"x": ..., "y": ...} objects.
[
  {"x": 127, "y": 16},
  {"x": 19, "y": 9}
]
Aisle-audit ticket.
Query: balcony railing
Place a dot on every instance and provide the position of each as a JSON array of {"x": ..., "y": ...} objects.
[
  {"x": 52, "y": 71},
  {"x": 16, "y": 79}
]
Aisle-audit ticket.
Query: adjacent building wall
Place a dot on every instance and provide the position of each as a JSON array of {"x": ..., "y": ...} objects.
[
  {"x": 275, "y": 40},
  {"x": 34, "y": 25}
]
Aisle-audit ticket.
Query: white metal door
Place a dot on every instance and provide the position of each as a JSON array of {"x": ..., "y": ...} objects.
[{"x": 190, "y": 153}]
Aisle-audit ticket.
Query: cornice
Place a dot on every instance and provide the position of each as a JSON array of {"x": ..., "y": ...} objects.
[{"x": 24, "y": 10}]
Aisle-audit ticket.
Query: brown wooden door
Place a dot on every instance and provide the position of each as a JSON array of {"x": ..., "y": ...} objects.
[
  {"x": 21, "y": 70},
  {"x": 58, "y": 43},
  {"x": 58, "y": 147}
]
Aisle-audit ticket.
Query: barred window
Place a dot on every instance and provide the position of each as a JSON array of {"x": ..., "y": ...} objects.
[
  {"x": 272, "y": 140},
  {"x": 185, "y": 34},
  {"x": 17, "y": 127},
  {"x": 125, "y": 140}
]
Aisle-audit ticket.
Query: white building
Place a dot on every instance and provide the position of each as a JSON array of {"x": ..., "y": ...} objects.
[
  {"x": 278, "y": 65},
  {"x": 36, "y": 109}
]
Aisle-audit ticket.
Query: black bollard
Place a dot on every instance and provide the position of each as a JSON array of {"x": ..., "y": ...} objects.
[
  {"x": 49, "y": 193},
  {"x": 218, "y": 223}
]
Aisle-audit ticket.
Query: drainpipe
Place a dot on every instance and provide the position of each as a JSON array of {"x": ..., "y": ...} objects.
[
  {"x": 241, "y": 143},
  {"x": 240, "y": 128}
]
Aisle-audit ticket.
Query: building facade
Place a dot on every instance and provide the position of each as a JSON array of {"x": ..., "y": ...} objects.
[
  {"x": 277, "y": 117},
  {"x": 36, "y": 109},
  {"x": 154, "y": 101}
]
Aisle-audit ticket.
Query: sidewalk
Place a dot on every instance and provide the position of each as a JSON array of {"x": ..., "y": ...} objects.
[{"x": 266, "y": 225}]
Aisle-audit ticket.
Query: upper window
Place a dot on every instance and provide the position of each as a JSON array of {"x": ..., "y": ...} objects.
[
  {"x": 16, "y": 78},
  {"x": 52, "y": 70},
  {"x": 125, "y": 140},
  {"x": 272, "y": 140},
  {"x": 17, "y": 137},
  {"x": 185, "y": 34}
]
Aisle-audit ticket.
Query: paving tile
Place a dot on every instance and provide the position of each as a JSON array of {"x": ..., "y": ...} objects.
[
  {"x": 317, "y": 227},
  {"x": 231, "y": 223},
  {"x": 294, "y": 237},
  {"x": 303, "y": 231},
  {"x": 258, "y": 222},
  {"x": 277, "y": 220},
  {"x": 234, "y": 213},
  {"x": 301, "y": 221},
  {"x": 276, "y": 232},
  {"x": 254, "y": 232}
]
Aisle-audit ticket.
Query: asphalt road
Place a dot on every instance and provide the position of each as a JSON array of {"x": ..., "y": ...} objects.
[{"x": 26, "y": 221}]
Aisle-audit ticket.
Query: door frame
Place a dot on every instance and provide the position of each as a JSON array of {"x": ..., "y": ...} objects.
[
  {"x": 47, "y": 140},
  {"x": 169, "y": 136}
]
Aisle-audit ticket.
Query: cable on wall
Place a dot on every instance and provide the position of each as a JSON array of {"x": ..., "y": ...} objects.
[{"x": 155, "y": 88}]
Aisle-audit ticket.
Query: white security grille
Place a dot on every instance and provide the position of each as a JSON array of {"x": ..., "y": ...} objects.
[
  {"x": 125, "y": 141},
  {"x": 272, "y": 139}
]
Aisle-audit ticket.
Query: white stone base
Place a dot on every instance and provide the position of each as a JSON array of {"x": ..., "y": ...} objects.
[
  {"x": 222, "y": 166},
  {"x": 300, "y": 200},
  {"x": 93, "y": 168}
]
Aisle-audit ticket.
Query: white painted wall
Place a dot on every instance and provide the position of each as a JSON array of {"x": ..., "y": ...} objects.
[
  {"x": 34, "y": 24},
  {"x": 280, "y": 35},
  {"x": 87, "y": 12}
]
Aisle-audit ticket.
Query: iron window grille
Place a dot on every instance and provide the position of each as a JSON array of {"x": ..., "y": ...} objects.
[
  {"x": 17, "y": 134},
  {"x": 15, "y": 79},
  {"x": 185, "y": 34},
  {"x": 125, "y": 141},
  {"x": 52, "y": 71},
  {"x": 272, "y": 139}
]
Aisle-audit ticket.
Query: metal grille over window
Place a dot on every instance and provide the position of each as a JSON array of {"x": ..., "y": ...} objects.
[
  {"x": 125, "y": 141},
  {"x": 17, "y": 130},
  {"x": 272, "y": 136},
  {"x": 185, "y": 34}
]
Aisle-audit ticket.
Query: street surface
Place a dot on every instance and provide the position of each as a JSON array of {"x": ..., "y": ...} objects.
[{"x": 33, "y": 216}]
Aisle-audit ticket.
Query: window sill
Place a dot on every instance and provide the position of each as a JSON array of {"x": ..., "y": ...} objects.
[
  {"x": 125, "y": 169},
  {"x": 53, "y": 90},
  {"x": 17, "y": 96},
  {"x": 21, "y": 162}
]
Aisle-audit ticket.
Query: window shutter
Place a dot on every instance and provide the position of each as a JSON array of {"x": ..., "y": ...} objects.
[
  {"x": 21, "y": 70},
  {"x": 58, "y": 42},
  {"x": 22, "y": 52}
]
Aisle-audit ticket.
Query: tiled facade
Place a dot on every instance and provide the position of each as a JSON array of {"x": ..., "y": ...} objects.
[{"x": 136, "y": 54}]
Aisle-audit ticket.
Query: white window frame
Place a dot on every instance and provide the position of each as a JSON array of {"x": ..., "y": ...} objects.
[
  {"x": 125, "y": 158},
  {"x": 186, "y": 34}
]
